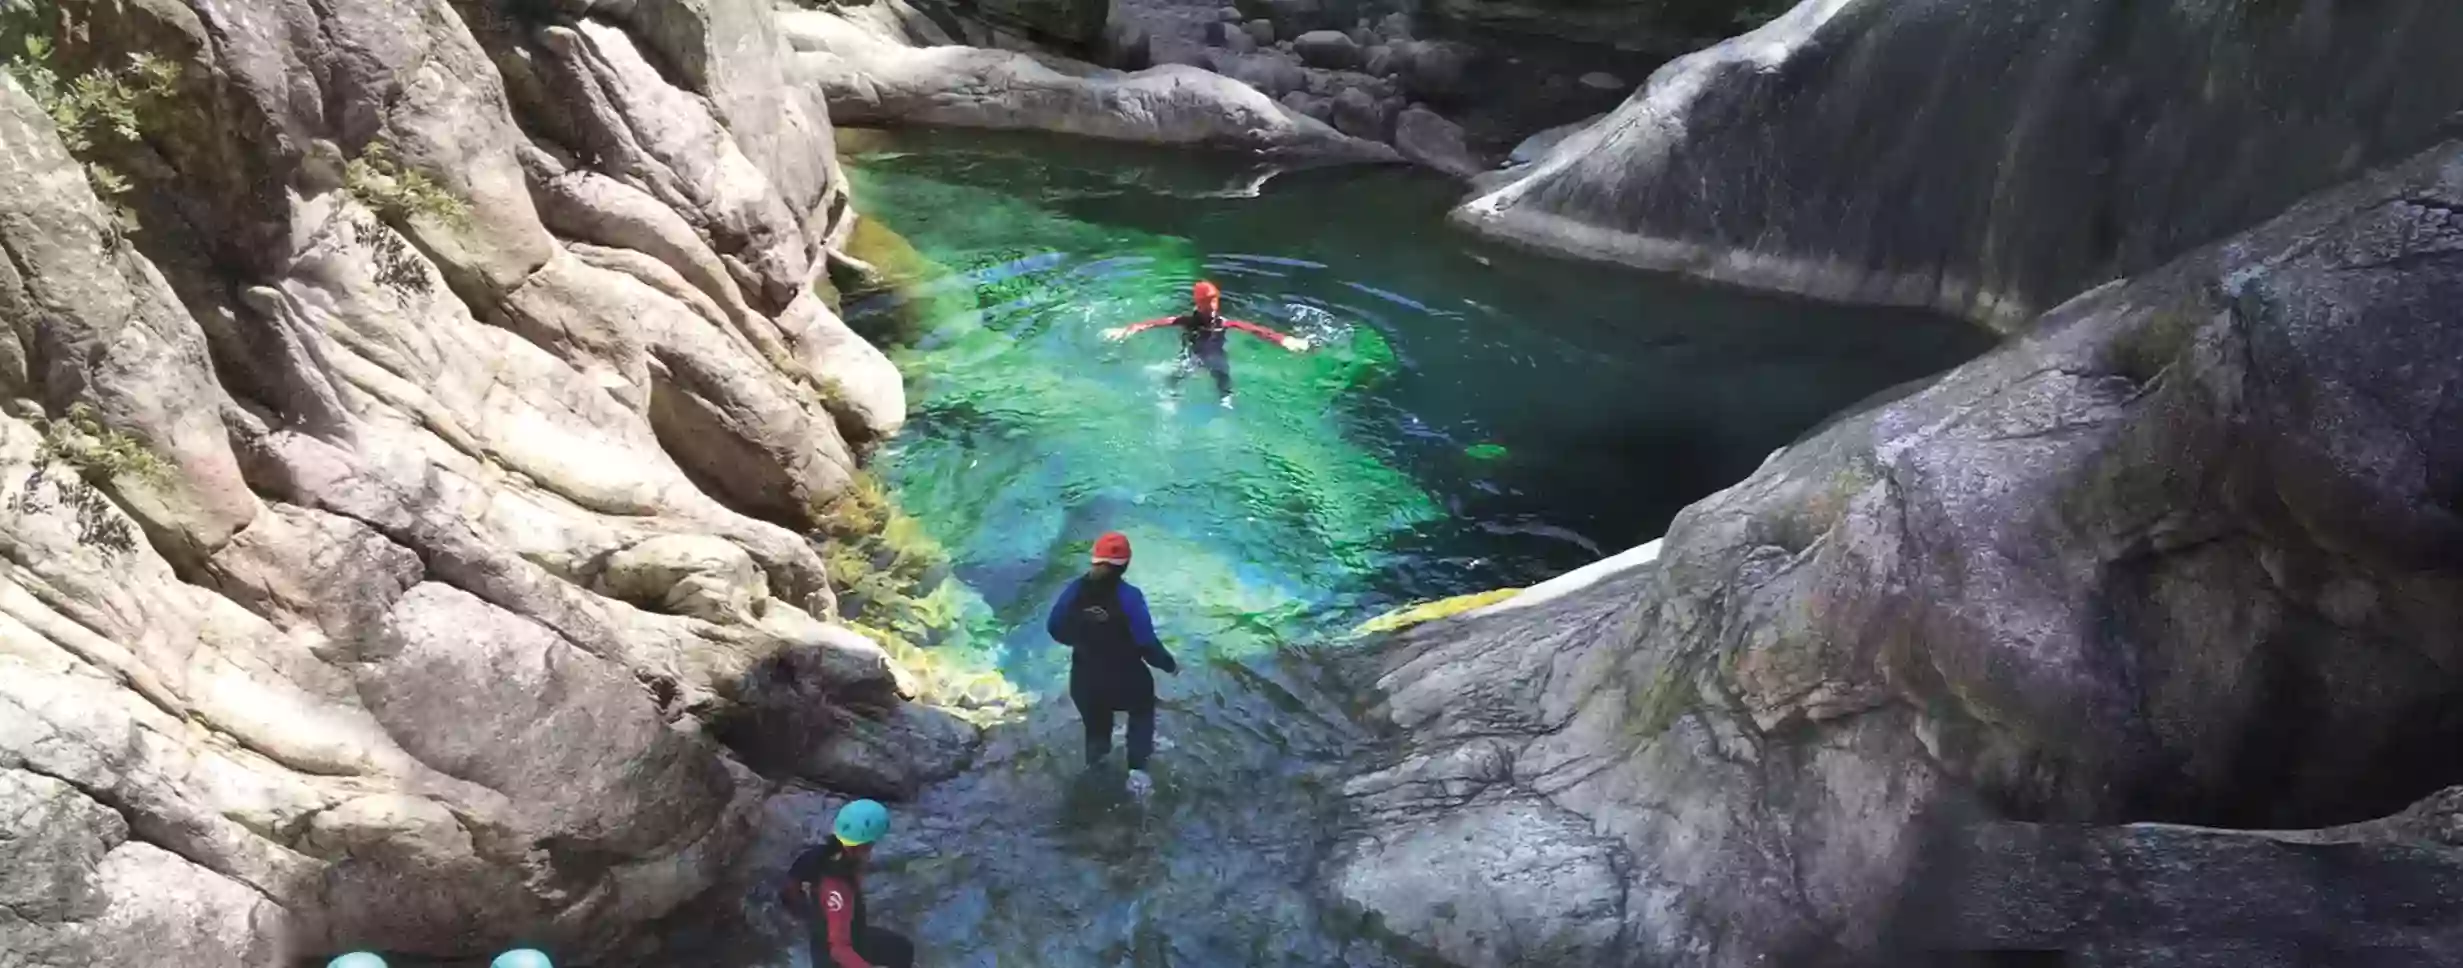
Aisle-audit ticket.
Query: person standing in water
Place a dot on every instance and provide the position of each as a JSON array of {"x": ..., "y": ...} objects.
[
  {"x": 1103, "y": 621},
  {"x": 1202, "y": 337},
  {"x": 825, "y": 886}
]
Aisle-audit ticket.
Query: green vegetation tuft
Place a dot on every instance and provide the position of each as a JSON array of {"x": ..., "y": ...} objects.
[
  {"x": 892, "y": 582},
  {"x": 920, "y": 289},
  {"x": 399, "y": 194},
  {"x": 832, "y": 394},
  {"x": 95, "y": 455},
  {"x": 99, "y": 453},
  {"x": 98, "y": 111},
  {"x": 882, "y": 564}
]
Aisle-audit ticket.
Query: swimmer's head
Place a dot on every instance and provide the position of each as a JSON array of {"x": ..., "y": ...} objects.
[{"x": 1205, "y": 296}]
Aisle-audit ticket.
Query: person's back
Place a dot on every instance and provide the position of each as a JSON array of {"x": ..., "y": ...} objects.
[
  {"x": 1103, "y": 620},
  {"x": 1106, "y": 659}
]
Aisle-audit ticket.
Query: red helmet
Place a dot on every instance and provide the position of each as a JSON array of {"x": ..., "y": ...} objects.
[
  {"x": 1204, "y": 292},
  {"x": 1112, "y": 549}
]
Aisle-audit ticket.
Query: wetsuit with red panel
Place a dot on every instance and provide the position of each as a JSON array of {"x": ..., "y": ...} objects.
[
  {"x": 1202, "y": 338},
  {"x": 826, "y": 887}
]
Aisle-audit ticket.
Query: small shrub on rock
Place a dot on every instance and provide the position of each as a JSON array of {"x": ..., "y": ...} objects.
[
  {"x": 94, "y": 455},
  {"x": 97, "y": 111},
  {"x": 398, "y": 194}
]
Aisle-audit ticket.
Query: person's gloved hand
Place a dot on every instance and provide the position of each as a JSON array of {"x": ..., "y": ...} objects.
[
  {"x": 1296, "y": 344},
  {"x": 1116, "y": 333},
  {"x": 1163, "y": 660}
]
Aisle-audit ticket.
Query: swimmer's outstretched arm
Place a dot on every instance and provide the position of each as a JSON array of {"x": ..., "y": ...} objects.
[
  {"x": 1293, "y": 343},
  {"x": 1124, "y": 332}
]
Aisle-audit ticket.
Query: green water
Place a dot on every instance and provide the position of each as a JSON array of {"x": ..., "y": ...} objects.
[{"x": 1471, "y": 418}]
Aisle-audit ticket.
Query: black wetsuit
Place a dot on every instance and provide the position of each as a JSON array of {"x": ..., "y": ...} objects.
[
  {"x": 1202, "y": 344},
  {"x": 1112, "y": 641}
]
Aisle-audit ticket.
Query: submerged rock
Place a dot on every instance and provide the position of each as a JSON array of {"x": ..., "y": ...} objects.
[
  {"x": 2180, "y": 553},
  {"x": 1601, "y": 81},
  {"x": 2041, "y": 148}
]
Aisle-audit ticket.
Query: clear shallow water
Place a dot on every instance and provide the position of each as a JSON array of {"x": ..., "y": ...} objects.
[{"x": 1472, "y": 418}]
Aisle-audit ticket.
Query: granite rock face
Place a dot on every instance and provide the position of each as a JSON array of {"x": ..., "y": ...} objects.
[
  {"x": 399, "y": 510},
  {"x": 2187, "y": 550},
  {"x": 1989, "y": 159}
]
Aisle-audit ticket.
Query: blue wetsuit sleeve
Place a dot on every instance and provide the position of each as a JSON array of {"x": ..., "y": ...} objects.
[
  {"x": 1142, "y": 625},
  {"x": 1057, "y": 624}
]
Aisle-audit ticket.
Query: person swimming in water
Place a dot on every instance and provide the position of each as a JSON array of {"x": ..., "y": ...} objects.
[
  {"x": 1202, "y": 332},
  {"x": 1111, "y": 640}
]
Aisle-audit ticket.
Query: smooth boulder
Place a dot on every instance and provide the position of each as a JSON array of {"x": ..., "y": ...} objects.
[
  {"x": 1427, "y": 138},
  {"x": 1990, "y": 164},
  {"x": 1272, "y": 73},
  {"x": 1359, "y": 114},
  {"x": 2184, "y": 552},
  {"x": 1327, "y": 48}
]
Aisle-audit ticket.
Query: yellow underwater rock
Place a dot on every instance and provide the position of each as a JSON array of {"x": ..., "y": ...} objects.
[{"x": 1410, "y": 615}]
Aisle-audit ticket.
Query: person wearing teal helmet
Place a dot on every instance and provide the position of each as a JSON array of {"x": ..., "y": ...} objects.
[
  {"x": 522, "y": 958},
  {"x": 825, "y": 886},
  {"x": 356, "y": 959},
  {"x": 860, "y": 823}
]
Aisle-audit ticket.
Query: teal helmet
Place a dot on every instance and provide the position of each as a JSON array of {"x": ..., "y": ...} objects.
[
  {"x": 521, "y": 958},
  {"x": 860, "y": 823},
  {"x": 356, "y": 959}
]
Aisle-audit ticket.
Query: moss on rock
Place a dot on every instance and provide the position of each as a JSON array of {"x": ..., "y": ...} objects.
[
  {"x": 1424, "y": 612},
  {"x": 892, "y": 582}
]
